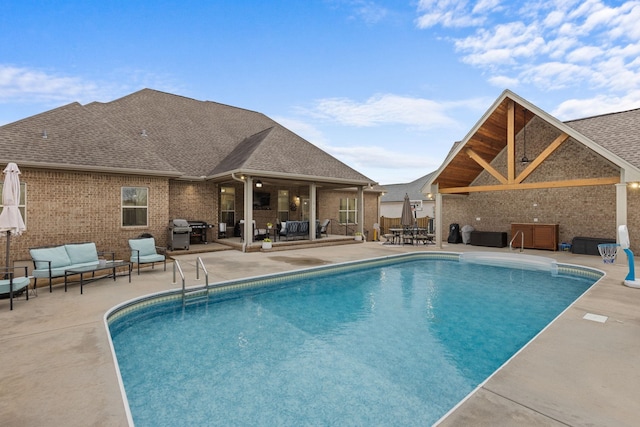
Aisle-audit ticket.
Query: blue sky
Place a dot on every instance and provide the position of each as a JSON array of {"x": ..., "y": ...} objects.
[{"x": 385, "y": 86}]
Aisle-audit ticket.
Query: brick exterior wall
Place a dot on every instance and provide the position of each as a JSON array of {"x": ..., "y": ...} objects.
[
  {"x": 579, "y": 211},
  {"x": 329, "y": 207},
  {"x": 195, "y": 201},
  {"x": 70, "y": 207}
]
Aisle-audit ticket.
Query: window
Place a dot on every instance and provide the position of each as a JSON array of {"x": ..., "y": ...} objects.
[
  {"x": 283, "y": 205},
  {"x": 22, "y": 204},
  {"x": 348, "y": 211},
  {"x": 135, "y": 206},
  {"x": 228, "y": 205}
]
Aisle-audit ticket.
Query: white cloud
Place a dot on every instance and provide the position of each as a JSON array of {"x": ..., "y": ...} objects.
[
  {"x": 486, "y": 6},
  {"x": 502, "y": 44},
  {"x": 591, "y": 46},
  {"x": 383, "y": 109},
  {"x": 370, "y": 12},
  {"x": 504, "y": 81},
  {"x": 302, "y": 128},
  {"x": 451, "y": 13},
  {"x": 33, "y": 86},
  {"x": 19, "y": 84},
  {"x": 555, "y": 75},
  {"x": 601, "y": 104},
  {"x": 584, "y": 54},
  {"x": 384, "y": 165}
]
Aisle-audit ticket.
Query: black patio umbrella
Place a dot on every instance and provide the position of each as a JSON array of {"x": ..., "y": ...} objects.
[{"x": 406, "y": 219}]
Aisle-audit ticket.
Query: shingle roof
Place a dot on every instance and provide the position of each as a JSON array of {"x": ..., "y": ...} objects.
[
  {"x": 396, "y": 192},
  {"x": 160, "y": 133},
  {"x": 616, "y": 132},
  {"x": 72, "y": 136}
]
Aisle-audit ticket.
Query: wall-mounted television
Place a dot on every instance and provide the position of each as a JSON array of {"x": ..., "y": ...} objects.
[{"x": 261, "y": 200}]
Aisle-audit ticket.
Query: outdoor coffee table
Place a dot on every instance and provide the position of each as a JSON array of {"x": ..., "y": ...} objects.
[{"x": 109, "y": 265}]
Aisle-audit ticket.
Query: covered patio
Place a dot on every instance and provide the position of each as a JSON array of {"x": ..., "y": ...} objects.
[{"x": 237, "y": 243}]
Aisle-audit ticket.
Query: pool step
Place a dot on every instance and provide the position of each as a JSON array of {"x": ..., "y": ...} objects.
[{"x": 193, "y": 296}]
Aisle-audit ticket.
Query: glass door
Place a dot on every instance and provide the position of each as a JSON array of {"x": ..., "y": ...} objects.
[{"x": 228, "y": 206}]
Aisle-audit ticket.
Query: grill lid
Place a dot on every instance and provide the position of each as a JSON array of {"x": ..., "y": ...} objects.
[{"x": 179, "y": 225}]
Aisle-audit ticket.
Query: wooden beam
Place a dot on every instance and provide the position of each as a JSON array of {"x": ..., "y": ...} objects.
[
  {"x": 497, "y": 175},
  {"x": 542, "y": 157},
  {"x": 533, "y": 185},
  {"x": 511, "y": 141}
]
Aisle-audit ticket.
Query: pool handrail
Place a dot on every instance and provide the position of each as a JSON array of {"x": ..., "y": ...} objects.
[
  {"x": 514, "y": 238},
  {"x": 200, "y": 264}
]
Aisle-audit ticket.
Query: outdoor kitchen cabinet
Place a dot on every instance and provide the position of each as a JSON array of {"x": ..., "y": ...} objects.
[{"x": 536, "y": 236}]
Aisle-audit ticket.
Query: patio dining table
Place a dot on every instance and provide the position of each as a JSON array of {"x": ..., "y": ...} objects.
[{"x": 414, "y": 234}]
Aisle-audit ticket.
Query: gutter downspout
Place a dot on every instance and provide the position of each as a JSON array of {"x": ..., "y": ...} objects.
[{"x": 244, "y": 192}]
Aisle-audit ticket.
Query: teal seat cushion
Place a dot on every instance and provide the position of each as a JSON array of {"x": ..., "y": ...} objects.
[
  {"x": 19, "y": 283},
  {"x": 145, "y": 259},
  {"x": 144, "y": 246},
  {"x": 57, "y": 255},
  {"x": 80, "y": 253}
]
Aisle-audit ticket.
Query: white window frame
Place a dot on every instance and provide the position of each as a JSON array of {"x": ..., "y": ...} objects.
[
  {"x": 124, "y": 206},
  {"x": 351, "y": 210}
]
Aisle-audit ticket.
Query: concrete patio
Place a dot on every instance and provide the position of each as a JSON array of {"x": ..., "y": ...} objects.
[{"x": 57, "y": 367}]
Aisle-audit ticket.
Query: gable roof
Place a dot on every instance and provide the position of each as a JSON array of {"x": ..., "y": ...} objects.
[
  {"x": 157, "y": 133},
  {"x": 396, "y": 192},
  {"x": 508, "y": 115}
]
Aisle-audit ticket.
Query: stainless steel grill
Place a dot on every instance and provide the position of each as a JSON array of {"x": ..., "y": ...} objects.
[{"x": 179, "y": 231}]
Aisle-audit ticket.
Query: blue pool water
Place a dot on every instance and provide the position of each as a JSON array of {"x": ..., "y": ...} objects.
[{"x": 393, "y": 344}]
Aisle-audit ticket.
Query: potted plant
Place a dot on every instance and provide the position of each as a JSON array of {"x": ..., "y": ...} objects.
[
  {"x": 266, "y": 243},
  {"x": 269, "y": 225},
  {"x": 358, "y": 235}
]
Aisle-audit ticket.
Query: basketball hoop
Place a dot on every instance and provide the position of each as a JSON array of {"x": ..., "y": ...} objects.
[{"x": 608, "y": 252}]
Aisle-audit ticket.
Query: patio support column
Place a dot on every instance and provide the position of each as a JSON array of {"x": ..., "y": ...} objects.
[
  {"x": 361, "y": 209},
  {"x": 312, "y": 210},
  {"x": 621, "y": 206},
  {"x": 438, "y": 219},
  {"x": 248, "y": 211}
]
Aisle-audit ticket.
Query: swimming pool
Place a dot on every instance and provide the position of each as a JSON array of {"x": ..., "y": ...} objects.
[{"x": 393, "y": 341}]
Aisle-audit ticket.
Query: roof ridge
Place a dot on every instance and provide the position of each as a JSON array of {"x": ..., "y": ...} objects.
[
  {"x": 602, "y": 115},
  {"x": 71, "y": 104},
  {"x": 187, "y": 98}
]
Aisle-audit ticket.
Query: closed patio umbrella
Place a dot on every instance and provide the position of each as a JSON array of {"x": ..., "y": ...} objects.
[
  {"x": 10, "y": 218},
  {"x": 406, "y": 219}
]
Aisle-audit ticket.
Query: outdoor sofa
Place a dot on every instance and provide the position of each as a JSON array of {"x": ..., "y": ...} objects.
[
  {"x": 297, "y": 229},
  {"x": 53, "y": 261}
]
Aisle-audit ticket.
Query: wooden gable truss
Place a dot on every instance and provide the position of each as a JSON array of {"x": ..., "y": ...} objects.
[{"x": 495, "y": 132}]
